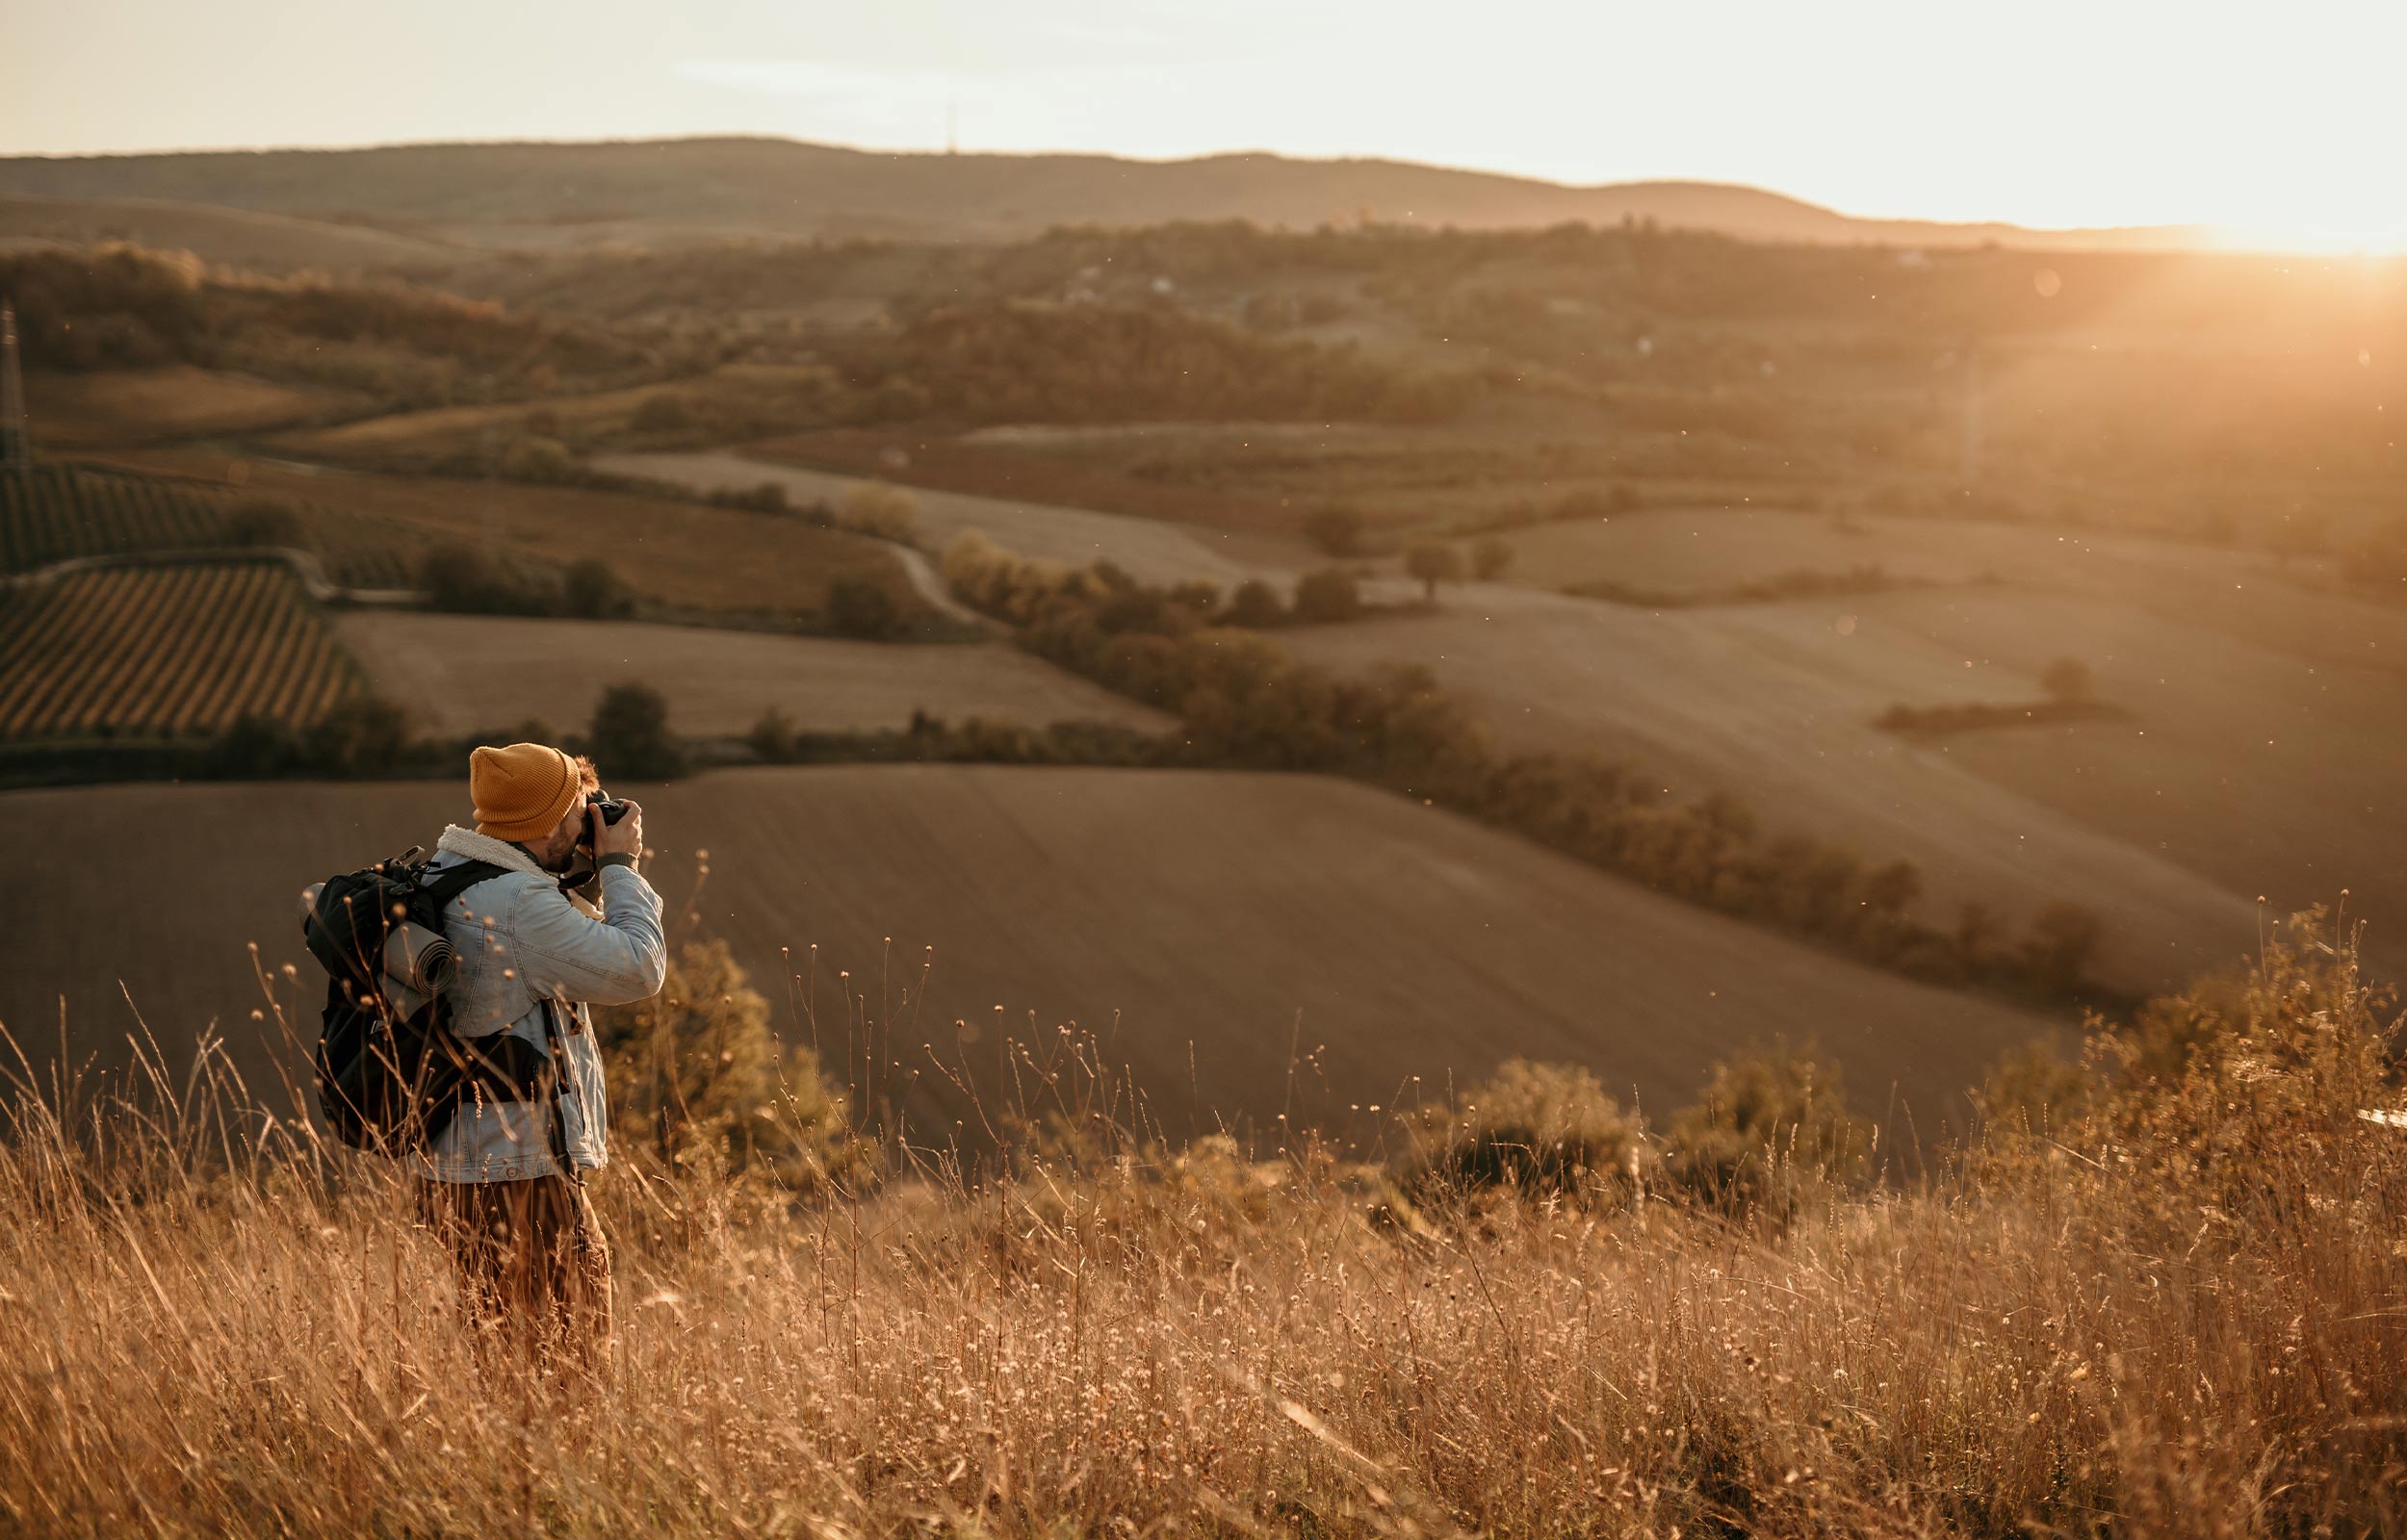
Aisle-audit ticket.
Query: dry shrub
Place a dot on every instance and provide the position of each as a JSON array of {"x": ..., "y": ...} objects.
[
  {"x": 699, "y": 1078},
  {"x": 879, "y": 509},
  {"x": 2183, "y": 1314},
  {"x": 1532, "y": 1129},
  {"x": 1772, "y": 1127}
]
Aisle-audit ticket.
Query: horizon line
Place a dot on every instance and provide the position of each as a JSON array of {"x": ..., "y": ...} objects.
[{"x": 2207, "y": 230}]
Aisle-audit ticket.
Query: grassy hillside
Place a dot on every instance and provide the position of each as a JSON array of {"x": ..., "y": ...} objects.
[
  {"x": 539, "y": 195},
  {"x": 2167, "y": 1309},
  {"x": 1715, "y": 701},
  {"x": 2263, "y": 690},
  {"x": 235, "y": 238},
  {"x": 1246, "y": 944}
]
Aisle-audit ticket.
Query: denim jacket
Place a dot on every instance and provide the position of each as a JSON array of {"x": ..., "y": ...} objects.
[{"x": 522, "y": 945}]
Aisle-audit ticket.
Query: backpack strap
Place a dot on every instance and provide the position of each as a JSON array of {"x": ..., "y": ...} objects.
[
  {"x": 443, "y": 887},
  {"x": 451, "y": 882},
  {"x": 560, "y": 1092}
]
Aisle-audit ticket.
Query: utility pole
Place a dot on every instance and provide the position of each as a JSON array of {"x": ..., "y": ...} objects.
[
  {"x": 952, "y": 127},
  {"x": 16, "y": 449}
]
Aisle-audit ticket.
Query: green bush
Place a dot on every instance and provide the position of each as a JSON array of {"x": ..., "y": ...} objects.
[{"x": 630, "y": 735}]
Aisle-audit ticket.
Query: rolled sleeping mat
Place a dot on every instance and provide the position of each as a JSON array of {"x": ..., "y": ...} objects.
[{"x": 420, "y": 960}]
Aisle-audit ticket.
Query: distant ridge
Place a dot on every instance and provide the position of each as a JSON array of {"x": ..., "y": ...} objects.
[{"x": 687, "y": 189}]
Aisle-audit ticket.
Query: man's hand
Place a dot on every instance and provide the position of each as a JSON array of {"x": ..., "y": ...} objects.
[{"x": 624, "y": 838}]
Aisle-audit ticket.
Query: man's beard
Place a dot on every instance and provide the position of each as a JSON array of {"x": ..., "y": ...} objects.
[{"x": 544, "y": 859}]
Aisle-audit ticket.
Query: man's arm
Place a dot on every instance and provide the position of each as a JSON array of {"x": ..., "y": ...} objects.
[{"x": 618, "y": 959}]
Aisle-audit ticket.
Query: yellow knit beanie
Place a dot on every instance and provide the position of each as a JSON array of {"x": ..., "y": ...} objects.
[{"x": 522, "y": 792}]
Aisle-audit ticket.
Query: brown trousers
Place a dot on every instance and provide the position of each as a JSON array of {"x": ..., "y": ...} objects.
[{"x": 535, "y": 1266}]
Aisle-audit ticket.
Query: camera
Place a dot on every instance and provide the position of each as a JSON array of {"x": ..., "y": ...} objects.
[
  {"x": 611, "y": 808},
  {"x": 584, "y": 876}
]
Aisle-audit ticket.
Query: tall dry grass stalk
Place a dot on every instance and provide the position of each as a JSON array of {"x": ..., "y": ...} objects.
[{"x": 2183, "y": 1315}]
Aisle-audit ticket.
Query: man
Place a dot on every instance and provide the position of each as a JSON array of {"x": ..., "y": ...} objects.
[{"x": 505, "y": 1184}]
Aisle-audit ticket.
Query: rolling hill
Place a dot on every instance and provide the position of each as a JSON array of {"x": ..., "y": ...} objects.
[
  {"x": 671, "y": 192},
  {"x": 460, "y": 674},
  {"x": 244, "y": 238},
  {"x": 1246, "y": 944}
]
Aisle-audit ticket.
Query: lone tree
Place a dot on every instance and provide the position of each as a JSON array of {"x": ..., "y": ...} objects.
[
  {"x": 593, "y": 589},
  {"x": 1336, "y": 528},
  {"x": 1433, "y": 562},
  {"x": 857, "y": 606},
  {"x": 2068, "y": 682},
  {"x": 629, "y": 733}
]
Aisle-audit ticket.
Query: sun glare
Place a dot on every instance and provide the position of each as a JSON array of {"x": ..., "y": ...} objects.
[{"x": 2312, "y": 239}]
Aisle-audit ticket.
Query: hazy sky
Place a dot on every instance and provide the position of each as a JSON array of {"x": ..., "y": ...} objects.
[{"x": 2284, "y": 120}]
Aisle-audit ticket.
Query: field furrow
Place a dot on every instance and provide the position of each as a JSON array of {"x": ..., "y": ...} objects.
[
  {"x": 234, "y": 653},
  {"x": 74, "y": 644},
  {"x": 182, "y": 657},
  {"x": 283, "y": 651},
  {"x": 161, "y": 651},
  {"x": 119, "y": 650}
]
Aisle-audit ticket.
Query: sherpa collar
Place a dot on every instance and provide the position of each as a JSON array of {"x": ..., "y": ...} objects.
[{"x": 474, "y": 846}]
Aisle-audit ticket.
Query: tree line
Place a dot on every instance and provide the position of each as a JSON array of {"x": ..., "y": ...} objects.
[{"x": 1244, "y": 701}]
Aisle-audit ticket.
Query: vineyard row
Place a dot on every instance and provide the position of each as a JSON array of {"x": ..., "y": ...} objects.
[{"x": 164, "y": 652}]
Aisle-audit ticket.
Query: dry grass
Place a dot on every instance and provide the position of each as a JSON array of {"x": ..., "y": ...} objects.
[{"x": 2181, "y": 1317}]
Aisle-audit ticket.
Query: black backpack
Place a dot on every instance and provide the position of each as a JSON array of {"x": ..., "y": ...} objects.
[{"x": 390, "y": 1073}]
